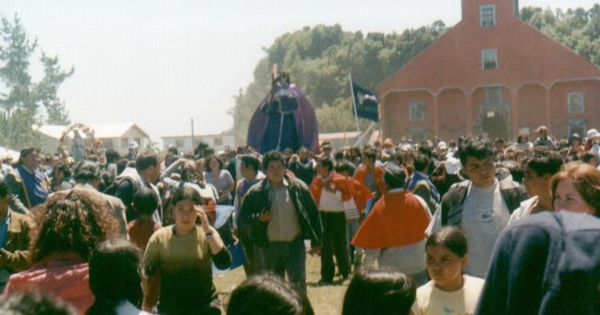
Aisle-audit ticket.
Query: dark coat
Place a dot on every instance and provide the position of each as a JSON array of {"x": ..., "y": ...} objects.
[
  {"x": 547, "y": 263},
  {"x": 257, "y": 200}
]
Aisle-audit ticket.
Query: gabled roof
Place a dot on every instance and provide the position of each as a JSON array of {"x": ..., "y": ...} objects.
[
  {"x": 53, "y": 131},
  {"x": 116, "y": 130},
  {"x": 525, "y": 55}
]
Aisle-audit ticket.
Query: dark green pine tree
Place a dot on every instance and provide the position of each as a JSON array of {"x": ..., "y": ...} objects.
[
  {"x": 18, "y": 104},
  {"x": 47, "y": 91}
]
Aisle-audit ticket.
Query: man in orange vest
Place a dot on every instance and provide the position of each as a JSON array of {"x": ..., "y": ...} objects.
[
  {"x": 393, "y": 234},
  {"x": 330, "y": 190},
  {"x": 370, "y": 174}
]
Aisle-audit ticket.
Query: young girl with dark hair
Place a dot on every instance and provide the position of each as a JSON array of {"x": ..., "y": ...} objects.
[
  {"x": 379, "y": 292},
  {"x": 450, "y": 291}
]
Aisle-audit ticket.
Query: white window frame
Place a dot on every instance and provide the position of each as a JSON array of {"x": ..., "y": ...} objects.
[
  {"x": 487, "y": 15},
  {"x": 493, "y": 53},
  {"x": 571, "y": 106},
  {"x": 416, "y": 111}
]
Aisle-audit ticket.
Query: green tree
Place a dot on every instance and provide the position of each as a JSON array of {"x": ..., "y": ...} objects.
[
  {"x": 20, "y": 98},
  {"x": 577, "y": 29},
  {"x": 47, "y": 90},
  {"x": 18, "y": 104}
]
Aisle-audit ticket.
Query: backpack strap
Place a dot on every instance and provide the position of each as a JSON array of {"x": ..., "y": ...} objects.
[{"x": 451, "y": 212}]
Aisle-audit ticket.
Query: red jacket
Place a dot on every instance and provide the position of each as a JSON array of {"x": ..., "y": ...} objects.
[
  {"x": 360, "y": 193},
  {"x": 397, "y": 219},
  {"x": 339, "y": 183},
  {"x": 361, "y": 176}
]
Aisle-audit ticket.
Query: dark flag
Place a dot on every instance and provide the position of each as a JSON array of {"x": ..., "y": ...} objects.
[{"x": 366, "y": 103}]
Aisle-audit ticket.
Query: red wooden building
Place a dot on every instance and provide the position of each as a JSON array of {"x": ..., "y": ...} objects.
[{"x": 491, "y": 73}]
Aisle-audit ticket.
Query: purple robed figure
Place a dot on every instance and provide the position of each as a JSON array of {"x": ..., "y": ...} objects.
[{"x": 284, "y": 119}]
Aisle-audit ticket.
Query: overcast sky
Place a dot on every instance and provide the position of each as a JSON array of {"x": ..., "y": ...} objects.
[{"x": 161, "y": 63}]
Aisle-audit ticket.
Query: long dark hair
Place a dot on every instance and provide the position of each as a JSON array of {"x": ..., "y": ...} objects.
[{"x": 114, "y": 276}]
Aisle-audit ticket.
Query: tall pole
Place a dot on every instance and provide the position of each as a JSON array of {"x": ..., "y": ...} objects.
[
  {"x": 353, "y": 101},
  {"x": 192, "y": 119}
]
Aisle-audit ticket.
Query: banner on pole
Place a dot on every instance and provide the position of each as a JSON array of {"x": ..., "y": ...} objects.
[{"x": 366, "y": 103}]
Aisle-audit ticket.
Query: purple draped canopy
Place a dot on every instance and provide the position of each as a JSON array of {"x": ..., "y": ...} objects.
[{"x": 264, "y": 129}]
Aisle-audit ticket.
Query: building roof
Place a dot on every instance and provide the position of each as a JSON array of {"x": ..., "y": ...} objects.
[
  {"x": 524, "y": 54},
  {"x": 4, "y": 152},
  {"x": 115, "y": 130}
]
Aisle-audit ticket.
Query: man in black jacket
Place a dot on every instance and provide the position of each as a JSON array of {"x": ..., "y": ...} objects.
[{"x": 280, "y": 213}]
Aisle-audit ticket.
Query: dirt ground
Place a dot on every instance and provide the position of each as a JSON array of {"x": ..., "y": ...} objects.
[{"x": 326, "y": 300}]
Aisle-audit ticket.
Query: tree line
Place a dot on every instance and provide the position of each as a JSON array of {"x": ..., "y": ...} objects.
[{"x": 320, "y": 58}]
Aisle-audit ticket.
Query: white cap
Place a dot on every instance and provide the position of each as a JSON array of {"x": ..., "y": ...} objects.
[
  {"x": 452, "y": 165},
  {"x": 133, "y": 145},
  {"x": 592, "y": 133}
]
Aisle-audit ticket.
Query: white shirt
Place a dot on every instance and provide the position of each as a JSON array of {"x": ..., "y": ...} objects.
[
  {"x": 433, "y": 301},
  {"x": 484, "y": 216}
]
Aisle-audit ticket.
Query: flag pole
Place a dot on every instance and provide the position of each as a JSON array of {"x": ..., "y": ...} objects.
[
  {"x": 353, "y": 101},
  {"x": 192, "y": 123}
]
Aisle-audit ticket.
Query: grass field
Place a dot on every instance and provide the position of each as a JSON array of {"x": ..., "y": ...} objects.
[{"x": 326, "y": 300}]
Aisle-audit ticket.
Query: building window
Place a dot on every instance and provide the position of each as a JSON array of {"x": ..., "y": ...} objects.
[
  {"x": 487, "y": 15},
  {"x": 179, "y": 143},
  {"x": 489, "y": 58},
  {"x": 124, "y": 142},
  {"x": 494, "y": 95},
  {"x": 416, "y": 111},
  {"x": 575, "y": 102},
  {"x": 218, "y": 141}
]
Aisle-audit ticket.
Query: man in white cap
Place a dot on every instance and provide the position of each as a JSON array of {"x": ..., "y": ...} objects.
[
  {"x": 133, "y": 150},
  {"x": 592, "y": 139}
]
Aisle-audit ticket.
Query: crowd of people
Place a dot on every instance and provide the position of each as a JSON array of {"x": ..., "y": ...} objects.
[{"x": 468, "y": 226}]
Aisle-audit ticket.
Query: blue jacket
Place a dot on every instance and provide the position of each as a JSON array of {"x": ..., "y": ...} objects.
[
  {"x": 547, "y": 263},
  {"x": 420, "y": 184}
]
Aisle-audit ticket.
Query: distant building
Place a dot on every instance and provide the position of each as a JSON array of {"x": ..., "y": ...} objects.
[
  {"x": 113, "y": 136},
  {"x": 184, "y": 143},
  {"x": 491, "y": 73}
]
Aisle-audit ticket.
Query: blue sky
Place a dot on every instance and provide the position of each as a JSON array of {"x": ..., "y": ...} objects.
[{"x": 161, "y": 63}]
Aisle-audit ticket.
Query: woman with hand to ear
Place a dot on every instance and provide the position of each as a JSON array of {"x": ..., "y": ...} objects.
[{"x": 178, "y": 260}]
